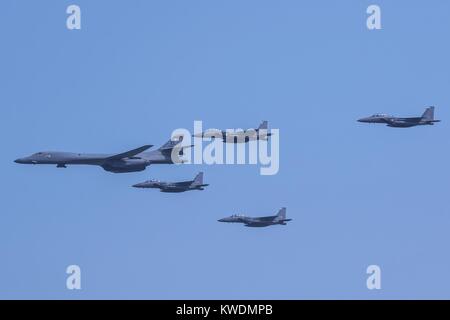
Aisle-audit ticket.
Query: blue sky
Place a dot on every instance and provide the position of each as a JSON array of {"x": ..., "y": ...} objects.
[{"x": 359, "y": 194}]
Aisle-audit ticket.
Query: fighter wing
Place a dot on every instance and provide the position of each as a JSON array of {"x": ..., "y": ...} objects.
[
  {"x": 387, "y": 120},
  {"x": 409, "y": 119},
  {"x": 130, "y": 153},
  {"x": 182, "y": 184},
  {"x": 270, "y": 218}
]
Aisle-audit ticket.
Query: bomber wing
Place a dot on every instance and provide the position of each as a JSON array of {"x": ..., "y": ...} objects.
[{"x": 129, "y": 154}]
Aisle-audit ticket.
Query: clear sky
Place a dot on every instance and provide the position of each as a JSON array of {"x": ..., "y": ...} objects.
[{"x": 358, "y": 194}]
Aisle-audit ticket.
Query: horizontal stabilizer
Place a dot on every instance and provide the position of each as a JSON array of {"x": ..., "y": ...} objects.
[{"x": 130, "y": 153}]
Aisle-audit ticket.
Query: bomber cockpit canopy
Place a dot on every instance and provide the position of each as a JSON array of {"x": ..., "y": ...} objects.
[{"x": 41, "y": 154}]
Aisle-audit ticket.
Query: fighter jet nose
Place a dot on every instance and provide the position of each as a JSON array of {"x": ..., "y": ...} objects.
[
  {"x": 18, "y": 161},
  {"x": 367, "y": 119},
  {"x": 137, "y": 185},
  {"x": 220, "y": 220}
]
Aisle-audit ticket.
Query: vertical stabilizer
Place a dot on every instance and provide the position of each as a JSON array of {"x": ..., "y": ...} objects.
[
  {"x": 281, "y": 215},
  {"x": 264, "y": 125},
  {"x": 428, "y": 115},
  {"x": 198, "y": 179}
]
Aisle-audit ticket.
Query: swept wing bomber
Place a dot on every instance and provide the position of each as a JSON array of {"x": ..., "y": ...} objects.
[{"x": 130, "y": 161}]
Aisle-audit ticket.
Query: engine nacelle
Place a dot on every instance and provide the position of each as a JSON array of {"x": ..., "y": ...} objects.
[{"x": 128, "y": 165}]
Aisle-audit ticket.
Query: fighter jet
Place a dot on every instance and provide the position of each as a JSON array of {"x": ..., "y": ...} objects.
[
  {"x": 130, "y": 161},
  {"x": 426, "y": 119},
  {"x": 238, "y": 136},
  {"x": 280, "y": 218},
  {"x": 182, "y": 186}
]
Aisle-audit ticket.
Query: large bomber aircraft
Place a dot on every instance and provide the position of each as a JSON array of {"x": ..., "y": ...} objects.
[
  {"x": 130, "y": 161},
  {"x": 175, "y": 187}
]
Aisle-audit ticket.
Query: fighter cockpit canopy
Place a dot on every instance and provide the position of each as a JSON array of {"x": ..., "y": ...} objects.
[{"x": 380, "y": 115}]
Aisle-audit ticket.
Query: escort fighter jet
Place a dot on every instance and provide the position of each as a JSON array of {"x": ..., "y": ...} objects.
[
  {"x": 175, "y": 187},
  {"x": 280, "y": 218},
  {"x": 238, "y": 136},
  {"x": 426, "y": 119}
]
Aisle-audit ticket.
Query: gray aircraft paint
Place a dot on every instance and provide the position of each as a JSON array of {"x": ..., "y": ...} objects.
[
  {"x": 280, "y": 219},
  {"x": 239, "y": 136},
  {"x": 426, "y": 119},
  {"x": 131, "y": 161},
  {"x": 174, "y": 187}
]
